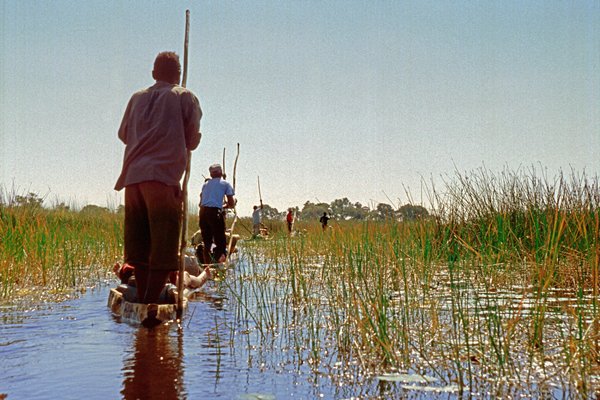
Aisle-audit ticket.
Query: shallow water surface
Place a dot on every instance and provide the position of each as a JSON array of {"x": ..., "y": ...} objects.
[
  {"x": 77, "y": 349},
  {"x": 243, "y": 338}
]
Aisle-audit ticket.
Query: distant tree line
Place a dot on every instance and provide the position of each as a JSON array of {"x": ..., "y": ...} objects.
[
  {"x": 339, "y": 209},
  {"x": 33, "y": 201},
  {"x": 344, "y": 209}
]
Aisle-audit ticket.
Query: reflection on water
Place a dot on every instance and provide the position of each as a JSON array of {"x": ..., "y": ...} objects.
[
  {"x": 154, "y": 370},
  {"x": 77, "y": 349}
]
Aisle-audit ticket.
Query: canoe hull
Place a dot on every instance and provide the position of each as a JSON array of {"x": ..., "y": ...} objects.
[{"x": 138, "y": 313}]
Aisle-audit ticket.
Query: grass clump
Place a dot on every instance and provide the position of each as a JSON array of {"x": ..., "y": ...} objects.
[{"x": 54, "y": 248}]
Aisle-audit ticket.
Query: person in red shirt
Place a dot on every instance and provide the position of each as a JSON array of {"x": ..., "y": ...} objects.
[{"x": 290, "y": 220}]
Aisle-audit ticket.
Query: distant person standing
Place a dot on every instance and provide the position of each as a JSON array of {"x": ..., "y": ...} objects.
[
  {"x": 160, "y": 124},
  {"x": 256, "y": 219},
  {"x": 212, "y": 215},
  {"x": 290, "y": 220},
  {"x": 323, "y": 220}
]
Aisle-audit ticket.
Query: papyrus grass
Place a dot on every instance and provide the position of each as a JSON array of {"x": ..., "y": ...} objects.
[
  {"x": 47, "y": 250},
  {"x": 495, "y": 293}
]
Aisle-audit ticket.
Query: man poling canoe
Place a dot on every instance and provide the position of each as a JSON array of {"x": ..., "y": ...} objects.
[
  {"x": 212, "y": 215},
  {"x": 160, "y": 128}
]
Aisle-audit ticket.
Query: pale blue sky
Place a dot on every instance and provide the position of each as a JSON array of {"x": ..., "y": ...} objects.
[{"x": 327, "y": 99}]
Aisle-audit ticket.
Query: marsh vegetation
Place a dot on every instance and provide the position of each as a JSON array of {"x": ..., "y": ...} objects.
[
  {"x": 47, "y": 251},
  {"x": 494, "y": 292}
]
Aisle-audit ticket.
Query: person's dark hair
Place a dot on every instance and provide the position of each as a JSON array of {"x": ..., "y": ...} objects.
[{"x": 167, "y": 67}]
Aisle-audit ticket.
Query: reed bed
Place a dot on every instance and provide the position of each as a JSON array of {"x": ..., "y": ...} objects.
[
  {"x": 494, "y": 295},
  {"x": 52, "y": 251},
  {"x": 49, "y": 250}
]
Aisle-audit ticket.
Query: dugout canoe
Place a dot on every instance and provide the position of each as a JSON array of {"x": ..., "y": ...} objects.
[{"x": 150, "y": 315}]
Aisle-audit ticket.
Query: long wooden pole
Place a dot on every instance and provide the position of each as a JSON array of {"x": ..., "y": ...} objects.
[
  {"x": 186, "y": 178},
  {"x": 235, "y": 217},
  {"x": 235, "y": 164},
  {"x": 259, "y": 193}
]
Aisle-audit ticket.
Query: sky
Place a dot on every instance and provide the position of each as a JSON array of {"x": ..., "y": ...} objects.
[{"x": 327, "y": 99}]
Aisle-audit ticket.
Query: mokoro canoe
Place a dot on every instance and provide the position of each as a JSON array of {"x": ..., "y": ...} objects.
[{"x": 150, "y": 315}]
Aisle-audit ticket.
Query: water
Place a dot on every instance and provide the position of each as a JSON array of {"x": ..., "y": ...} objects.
[
  {"x": 77, "y": 349},
  {"x": 63, "y": 350}
]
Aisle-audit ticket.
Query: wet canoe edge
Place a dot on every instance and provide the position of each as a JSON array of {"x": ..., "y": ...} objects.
[{"x": 148, "y": 315}]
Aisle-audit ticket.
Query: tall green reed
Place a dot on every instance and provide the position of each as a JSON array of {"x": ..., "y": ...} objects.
[
  {"x": 420, "y": 295},
  {"x": 55, "y": 249}
]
